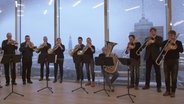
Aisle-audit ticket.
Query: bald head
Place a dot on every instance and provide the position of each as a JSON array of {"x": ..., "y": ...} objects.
[{"x": 9, "y": 36}]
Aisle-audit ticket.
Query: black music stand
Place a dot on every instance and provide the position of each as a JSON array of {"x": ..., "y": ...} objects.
[
  {"x": 11, "y": 59},
  {"x": 50, "y": 58},
  {"x": 101, "y": 61},
  {"x": 81, "y": 87},
  {"x": 127, "y": 62}
]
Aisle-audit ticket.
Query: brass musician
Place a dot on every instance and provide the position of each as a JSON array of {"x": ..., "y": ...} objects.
[
  {"x": 27, "y": 49},
  {"x": 132, "y": 47},
  {"x": 171, "y": 62},
  {"x": 9, "y": 46}
]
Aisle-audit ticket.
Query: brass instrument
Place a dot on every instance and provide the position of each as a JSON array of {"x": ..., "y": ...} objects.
[
  {"x": 150, "y": 40},
  {"x": 111, "y": 69},
  {"x": 40, "y": 47},
  {"x": 169, "y": 45},
  {"x": 72, "y": 51},
  {"x": 13, "y": 42},
  {"x": 50, "y": 51},
  {"x": 81, "y": 52},
  {"x": 31, "y": 45}
]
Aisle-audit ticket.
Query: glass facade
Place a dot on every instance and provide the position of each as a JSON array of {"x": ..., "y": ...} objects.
[{"x": 85, "y": 18}]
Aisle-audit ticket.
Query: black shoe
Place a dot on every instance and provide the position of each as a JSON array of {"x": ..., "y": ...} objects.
[
  {"x": 131, "y": 86},
  {"x": 14, "y": 83},
  {"x": 167, "y": 93},
  {"x": 61, "y": 81},
  {"x": 30, "y": 82},
  {"x": 145, "y": 87},
  {"x": 172, "y": 94},
  {"x": 24, "y": 83},
  {"x": 40, "y": 79},
  {"x": 159, "y": 90},
  {"x": 1, "y": 86},
  {"x": 7, "y": 84},
  {"x": 55, "y": 81}
]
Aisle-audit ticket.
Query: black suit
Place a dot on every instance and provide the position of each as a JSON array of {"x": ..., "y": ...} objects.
[
  {"x": 171, "y": 64},
  {"x": 9, "y": 50},
  {"x": 78, "y": 63},
  {"x": 60, "y": 60},
  {"x": 152, "y": 52},
  {"x": 44, "y": 54},
  {"x": 27, "y": 54}
]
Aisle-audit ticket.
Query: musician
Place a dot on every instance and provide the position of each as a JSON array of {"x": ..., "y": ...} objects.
[
  {"x": 9, "y": 49},
  {"x": 107, "y": 75},
  {"x": 171, "y": 62},
  {"x": 26, "y": 48},
  {"x": 78, "y": 59},
  {"x": 60, "y": 59},
  {"x": 43, "y": 52},
  {"x": 135, "y": 61},
  {"x": 89, "y": 50},
  {"x": 153, "y": 44}
]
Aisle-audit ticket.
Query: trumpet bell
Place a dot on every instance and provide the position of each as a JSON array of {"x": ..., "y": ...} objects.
[
  {"x": 71, "y": 52},
  {"x": 80, "y": 52}
]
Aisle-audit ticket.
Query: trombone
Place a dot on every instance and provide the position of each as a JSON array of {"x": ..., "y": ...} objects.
[
  {"x": 143, "y": 46},
  {"x": 170, "y": 45}
]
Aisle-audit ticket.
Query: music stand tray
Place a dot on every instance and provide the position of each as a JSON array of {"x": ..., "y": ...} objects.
[
  {"x": 50, "y": 58},
  {"x": 11, "y": 59},
  {"x": 101, "y": 61},
  {"x": 127, "y": 62}
]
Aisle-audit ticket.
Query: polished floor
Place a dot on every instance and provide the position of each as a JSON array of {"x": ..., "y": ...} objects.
[{"x": 63, "y": 95}]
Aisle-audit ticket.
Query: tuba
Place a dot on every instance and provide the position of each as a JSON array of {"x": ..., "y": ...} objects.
[{"x": 111, "y": 69}]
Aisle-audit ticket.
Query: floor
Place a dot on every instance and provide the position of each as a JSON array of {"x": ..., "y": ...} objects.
[{"x": 62, "y": 94}]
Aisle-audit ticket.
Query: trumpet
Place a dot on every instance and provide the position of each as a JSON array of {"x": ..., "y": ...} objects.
[
  {"x": 150, "y": 40},
  {"x": 169, "y": 45}
]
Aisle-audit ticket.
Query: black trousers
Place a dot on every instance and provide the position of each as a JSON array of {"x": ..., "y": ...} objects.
[
  {"x": 79, "y": 70},
  {"x": 26, "y": 70},
  {"x": 90, "y": 69},
  {"x": 149, "y": 63},
  {"x": 7, "y": 68},
  {"x": 171, "y": 73},
  {"x": 59, "y": 64},
  {"x": 42, "y": 70}
]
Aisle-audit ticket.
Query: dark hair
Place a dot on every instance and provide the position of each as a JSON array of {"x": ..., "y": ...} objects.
[
  {"x": 58, "y": 38},
  {"x": 153, "y": 29},
  {"x": 172, "y": 32},
  {"x": 26, "y": 36},
  {"x": 80, "y": 38},
  {"x": 131, "y": 36}
]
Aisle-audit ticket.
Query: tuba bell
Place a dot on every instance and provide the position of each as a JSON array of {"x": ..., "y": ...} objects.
[{"x": 111, "y": 69}]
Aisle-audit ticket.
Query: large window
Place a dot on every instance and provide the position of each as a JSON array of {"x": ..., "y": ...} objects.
[
  {"x": 177, "y": 25},
  {"x": 135, "y": 17},
  {"x": 37, "y": 20},
  {"x": 7, "y": 19},
  {"x": 83, "y": 18}
]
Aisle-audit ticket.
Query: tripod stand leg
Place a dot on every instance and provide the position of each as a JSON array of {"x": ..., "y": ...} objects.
[
  {"x": 80, "y": 88},
  {"x": 18, "y": 94},
  {"x": 8, "y": 95}
]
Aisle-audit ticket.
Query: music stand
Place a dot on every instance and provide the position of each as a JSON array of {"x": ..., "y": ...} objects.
[
  {"x": 50, "y": 58},
  {"x": 127, "y": 62},
  {"x": 101, "y": 61},
  {"x": 11, "y": 59}
]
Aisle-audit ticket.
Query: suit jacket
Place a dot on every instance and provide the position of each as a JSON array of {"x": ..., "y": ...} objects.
[
  {"x": 27, "y": 52},
  {"x": 153, "y": 50},
  {"x": 8, "y": 48}
]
